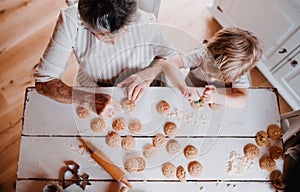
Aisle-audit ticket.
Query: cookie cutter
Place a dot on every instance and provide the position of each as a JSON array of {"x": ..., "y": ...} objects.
[{"x": 71, "y": 176}]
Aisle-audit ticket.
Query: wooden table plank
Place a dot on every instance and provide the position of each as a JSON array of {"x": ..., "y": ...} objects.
[
  {"x": 44, "y": 157},
  {"x": 50, "y": 130},
  {"x": 37, "y": 186},
  {"x": 261, "y": 111}
]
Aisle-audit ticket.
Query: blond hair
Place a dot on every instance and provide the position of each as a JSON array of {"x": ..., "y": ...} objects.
[{"x": 233, "y": 52}]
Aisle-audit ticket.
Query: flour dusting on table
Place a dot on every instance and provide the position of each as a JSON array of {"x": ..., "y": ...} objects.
[
  {"x": 238, "y": 164},
  {"x": 188, "y": 118}
]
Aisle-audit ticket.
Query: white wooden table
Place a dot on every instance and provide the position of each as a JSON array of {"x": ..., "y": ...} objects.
[{"x": 51, "y": 130}]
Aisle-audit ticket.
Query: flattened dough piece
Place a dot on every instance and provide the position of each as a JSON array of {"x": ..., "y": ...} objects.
[
  {"x": 150, "y": 151},
  {"x": 119, "y": 124},
  {"x": 113, "y": 139},
  {"x": 98, "y": 125},
  {"x": 83, "y": 112},
  {"x": 135, "y": 164},
  {"x": 128, "y": 143},
  {"x": 159, "y": 140},
  {"x": 169, "y": 170},
  {"x": 127, "y": 105},
  {"x": 173, "y": 147},
  {"x": 135, "y": 125}
]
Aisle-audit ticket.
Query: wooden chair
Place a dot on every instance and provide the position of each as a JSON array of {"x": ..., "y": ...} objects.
[
  {"x": 291, "y": 140},
  {"x": 290, "y": 125},
  {"x": 151, "y": 6}
]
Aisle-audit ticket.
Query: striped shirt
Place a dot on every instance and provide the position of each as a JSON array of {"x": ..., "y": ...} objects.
[{"x": 99, "y": 61}]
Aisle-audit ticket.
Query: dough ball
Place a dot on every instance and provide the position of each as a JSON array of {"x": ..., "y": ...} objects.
[
  {"x": 113, "y": 139},
  {"x": 195, "y": 169},
  {"x": 274, "y": 131},
  {"x": 251, "y": 151},
  {"x": 98, "y": 125},
  {"x": 267, "y": 163},
  {"x": 128, "y": 143},
  {"x": 83, "y": 112},
  {"x": 173, "y": 147},
  {"x": 163, "y": 107},
  {"x": 135, "y": 126},
  {"x": 190, "y": 152},
  {"x": 181, "y": 174},
  {"x": 170, "y": 129},
  {"x": 127, "y": 105},
  {"x": 135, "y": 164},
  {"x": 150, "y": 151},
  {"x": 119, "y": 124},
  {"x": 169, "y": 170},
  {"x": 262, "y": 139},
  {"x": 275, "y": 152},
  {"x": 159, "y": 140}
]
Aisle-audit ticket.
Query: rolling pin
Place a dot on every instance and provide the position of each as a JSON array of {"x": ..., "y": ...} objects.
[{"x": 112, "y": 169}]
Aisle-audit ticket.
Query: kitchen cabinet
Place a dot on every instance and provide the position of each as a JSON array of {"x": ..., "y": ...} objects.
[
  {"x": 288, "y": 76},
  {"x": 277, "y": 25}
]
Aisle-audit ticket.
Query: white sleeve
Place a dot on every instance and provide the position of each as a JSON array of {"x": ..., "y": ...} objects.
[
  {"x": 241, "y": 82},
  {"x": 55, "y": 58},
  {"x": 161, "y": 46},
  {"x": 193, "y": 58}
]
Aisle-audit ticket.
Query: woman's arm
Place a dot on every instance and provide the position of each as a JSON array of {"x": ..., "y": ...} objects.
[{"x": 55, "y": 89}]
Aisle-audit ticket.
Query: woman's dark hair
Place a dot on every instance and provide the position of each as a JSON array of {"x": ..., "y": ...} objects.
[{"x": 106, "y": 15}]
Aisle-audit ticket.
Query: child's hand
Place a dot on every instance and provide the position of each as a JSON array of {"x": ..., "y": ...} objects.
[
  {"x": 191, "y": 94},
  {"x": 208, "y": 93},
  {"x": 193, "y": 97}
]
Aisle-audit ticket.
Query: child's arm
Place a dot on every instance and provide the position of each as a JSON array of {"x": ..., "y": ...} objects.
[
  {"x": 170, "y": 68},
  {"x": 237, "y": 98}
]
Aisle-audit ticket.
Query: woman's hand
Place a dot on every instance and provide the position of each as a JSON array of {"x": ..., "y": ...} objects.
[
  {"x": 102, "y": 104},
  {"x": 135, "y": 85}
]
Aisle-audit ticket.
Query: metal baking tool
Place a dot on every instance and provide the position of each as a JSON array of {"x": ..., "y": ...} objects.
[
  {"x": 52, "y": 188},
  {"x": 71, "y": 177}
]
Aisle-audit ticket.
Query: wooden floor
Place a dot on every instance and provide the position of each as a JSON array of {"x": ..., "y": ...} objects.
[{"x": 25, "y": 28}]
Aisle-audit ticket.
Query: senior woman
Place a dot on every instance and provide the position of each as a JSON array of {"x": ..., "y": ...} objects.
[{"x": 112, "y": 39}]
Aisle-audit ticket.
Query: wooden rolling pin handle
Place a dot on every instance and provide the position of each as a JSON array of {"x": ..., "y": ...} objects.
[
  {"x": 110, "y": 167},
  {"x": 124, "y": 180}
]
